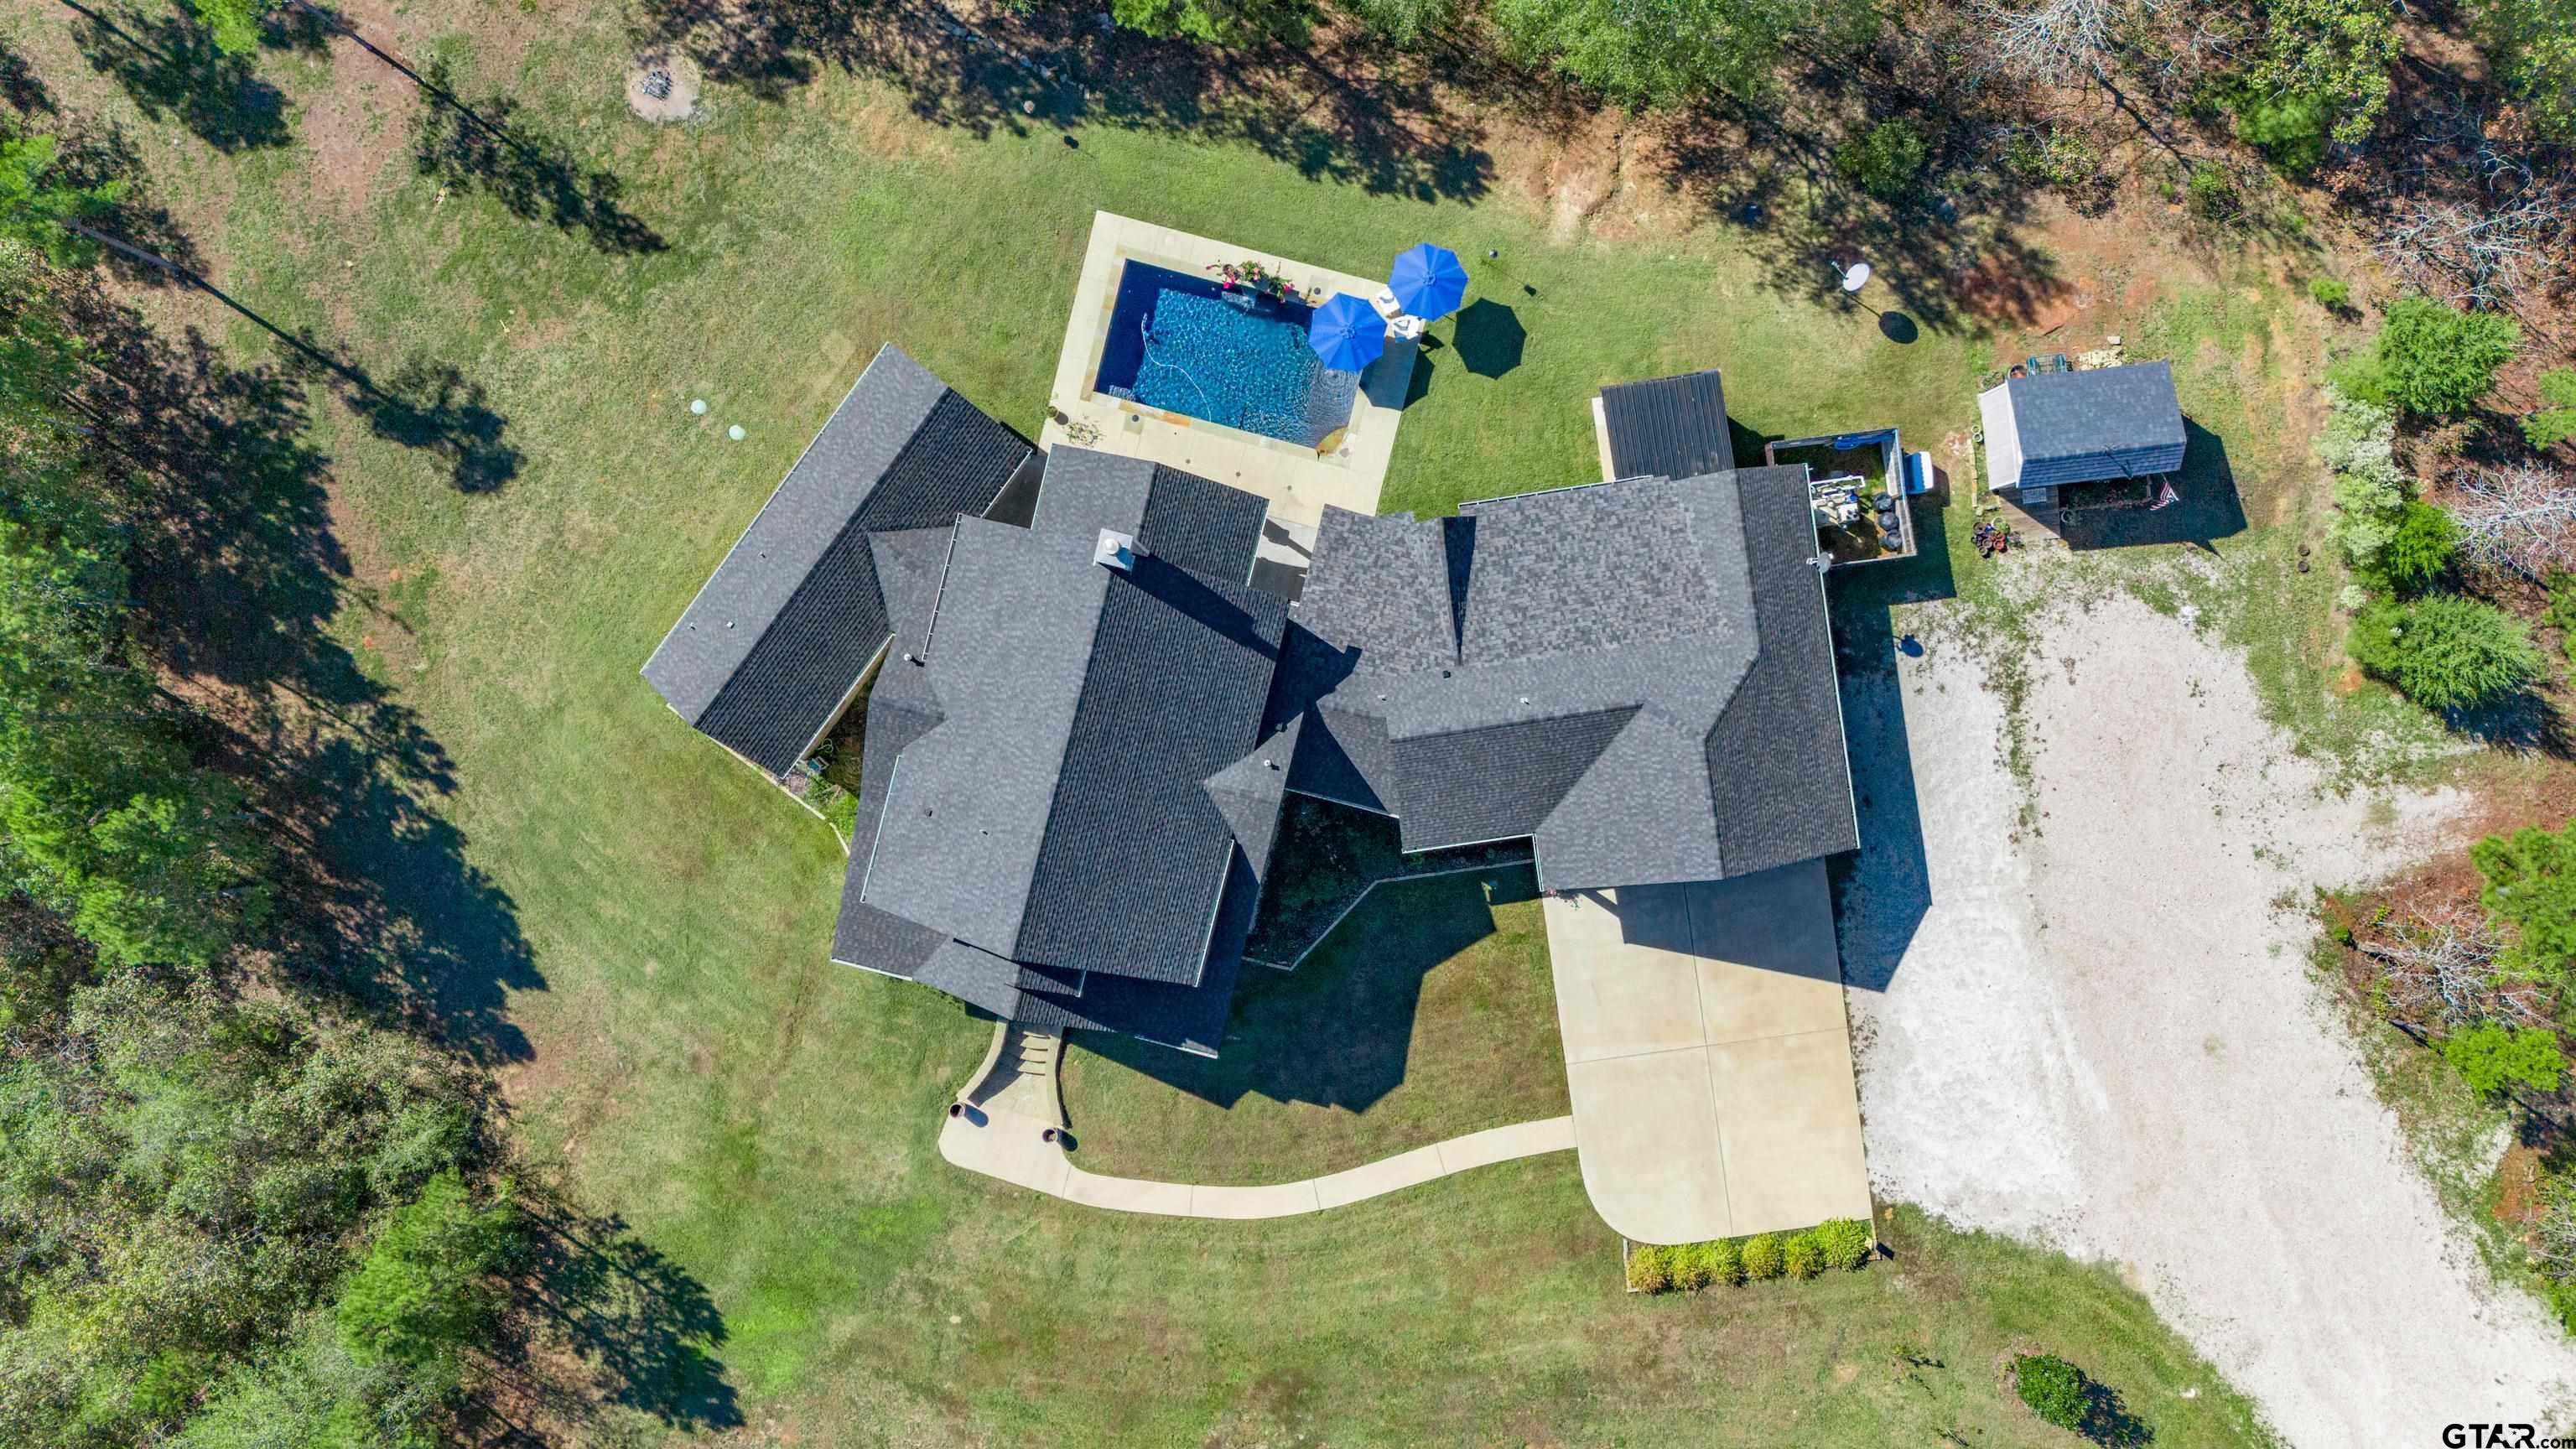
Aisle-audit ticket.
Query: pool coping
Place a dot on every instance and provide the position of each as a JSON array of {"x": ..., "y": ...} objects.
[{"x": 1298, "y": 481}]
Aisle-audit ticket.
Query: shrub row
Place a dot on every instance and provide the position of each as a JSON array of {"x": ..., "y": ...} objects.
[{"x": 1841, "y": 1244}]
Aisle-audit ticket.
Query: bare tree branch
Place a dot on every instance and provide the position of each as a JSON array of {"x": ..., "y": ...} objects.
[{"x": 2519, "y": 519}]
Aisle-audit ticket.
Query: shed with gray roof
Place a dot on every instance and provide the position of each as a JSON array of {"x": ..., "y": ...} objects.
[{"x": 2056, "y": 428}]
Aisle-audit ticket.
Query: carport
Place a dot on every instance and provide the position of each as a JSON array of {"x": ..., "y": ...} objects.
[{"x": 1708, "y": 1055}]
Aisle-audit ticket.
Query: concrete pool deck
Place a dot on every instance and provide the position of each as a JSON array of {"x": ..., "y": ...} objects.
[{"x": 1299, "y": 481}]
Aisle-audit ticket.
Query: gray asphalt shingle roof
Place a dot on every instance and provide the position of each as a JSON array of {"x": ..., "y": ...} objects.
[
  {"x": 1056, "y": 796},
  {"x": 2103, "y": 422},
  {"x": 1641, "y": 679},
  {"x": 771, "y": 645}
]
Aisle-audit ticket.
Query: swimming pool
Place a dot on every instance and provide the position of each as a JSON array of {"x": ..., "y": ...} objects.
[{"x": 1181, "y": 344}]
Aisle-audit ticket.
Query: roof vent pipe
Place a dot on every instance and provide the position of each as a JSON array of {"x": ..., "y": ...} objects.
[{"x": 1115, "y": 550}]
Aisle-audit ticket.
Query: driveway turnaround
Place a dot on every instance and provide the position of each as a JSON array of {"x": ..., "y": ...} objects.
[
  {"x": 1014, "y": 1149},
  {"x": 1708, "y": 1056}
]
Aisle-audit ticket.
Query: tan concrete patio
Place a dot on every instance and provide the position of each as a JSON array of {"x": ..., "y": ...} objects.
[
  {"x": 1708, "y": 1057},
  {"x": 1298, "y": 481}
]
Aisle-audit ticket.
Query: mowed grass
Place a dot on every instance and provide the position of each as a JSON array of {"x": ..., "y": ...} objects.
[
  {"x": 1428, "y": 1013},
  {"x": 690, "y": 1059}
]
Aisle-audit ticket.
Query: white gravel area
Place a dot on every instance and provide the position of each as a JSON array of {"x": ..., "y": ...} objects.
[{"x": 2103, "y": 1035}]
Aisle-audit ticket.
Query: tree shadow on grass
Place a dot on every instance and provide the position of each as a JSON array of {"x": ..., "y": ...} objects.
[
  {"x": 1338, "y": 1030},
  {"x": 171, "y": 68},
  {"x": 643, "y": 1330},
  {"x": 242, "y": 578},
  {"x": 1338, "y": 106},
  {"x": 21, "y": 89},
  {"x": 483, "y": 148}
]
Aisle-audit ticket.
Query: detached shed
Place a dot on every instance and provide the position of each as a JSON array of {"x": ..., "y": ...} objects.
[{"x": 2058, "y": 428}]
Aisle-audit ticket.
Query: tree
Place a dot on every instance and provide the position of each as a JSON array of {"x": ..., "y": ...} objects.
[
  {"x": 1672, "y": 52},
  {"x": 2555, "y": 423},
  {"x": 235, "y": 24},
  {"x": 1885, "y": 159},
  {"x": 2419, "y": 547},
  {"x": 2530, "y": 891},
  {"x": 2431, "y": 359},
  {"x": 2446, "y": 651},
  {"x": 2335, "y": 54},
  {"x": 2494, "y": 1058},
  {"x": 1218, "y": 22},
  {"x": 34, "y": 208},
  {"x": 2520, "y": 519},
  {"x": 424, "y": 1295},
  {"x": 2533, "y": 46}
]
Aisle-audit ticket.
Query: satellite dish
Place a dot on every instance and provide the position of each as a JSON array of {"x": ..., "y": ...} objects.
[{"x": 1855, "y": 276}]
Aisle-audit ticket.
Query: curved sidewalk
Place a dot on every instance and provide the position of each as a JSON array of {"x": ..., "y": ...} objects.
[{"x": 1012, "y": 1148}]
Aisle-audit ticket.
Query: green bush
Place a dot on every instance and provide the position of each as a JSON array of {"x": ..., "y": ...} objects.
[
  {"x": 2056, "y": 1390},
  {"x": 2054, "y": 157},
  {"x": 2491, "y": 1058},
  {"x": 2555, "y": 423},
  {"x": 2530, "y": 894},
  {"x": 2419, "y": 547},
  {"x": 1845, "y": 1242},
  {"x": 2211, "y": 196},
  {"x": 1691, "y": 1267},
  {"x": 2288, "y": 128},
  {"x": 2445, "y": 651},
  {"x": 1762, "y": 1257},
  {"x": 1650, "y": 1268},
  {"x": 1885, "y": 159},
  {"x": 1725, "y": 1261},
  {"x": 2432, "y": 359},
  {"x": 1800, "y": 1256},
  {"x": 2330, "y": 292}
]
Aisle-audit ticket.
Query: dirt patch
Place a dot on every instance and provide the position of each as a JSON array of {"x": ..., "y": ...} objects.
[
  {"x": 1584, "y": 174},
  {"x": 348, "y": 124},
  {"x": 2518, "y": 1175},
  {"x": 2102, "y": 1035}
]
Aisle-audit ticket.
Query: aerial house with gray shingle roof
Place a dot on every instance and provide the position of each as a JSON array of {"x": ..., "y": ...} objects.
[
  {"x": 2052, "y": 430},
  {"x": 1080, "y": 728},
  {"x": 776, "y": 644},
  {"x": 1067, "y": 805},
  {"x": 1635, "y": 676}
]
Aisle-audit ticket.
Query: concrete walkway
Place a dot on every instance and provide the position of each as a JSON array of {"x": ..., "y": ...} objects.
[{"x": 1013, "y": 1148}]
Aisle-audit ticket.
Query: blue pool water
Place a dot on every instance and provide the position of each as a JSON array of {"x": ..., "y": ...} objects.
[{"x": 1179, "y": 343}]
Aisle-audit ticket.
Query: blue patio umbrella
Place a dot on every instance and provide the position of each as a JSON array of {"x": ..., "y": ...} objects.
[
  {"x": 1347, "y": 333},
  {"x": 1428, "y": 282}
]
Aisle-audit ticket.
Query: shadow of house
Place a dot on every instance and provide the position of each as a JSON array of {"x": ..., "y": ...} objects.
[
  {"x": 1883, "y": 890},
  {"x": 1365, "y": 981},
  {"x": 171, "y": 68},
  {"x": 2206, "y": 506},
  {"x": 1490, "y": 338}
]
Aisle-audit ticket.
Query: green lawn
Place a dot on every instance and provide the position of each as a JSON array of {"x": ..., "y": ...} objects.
[
  {"x": 1426, "y": 1014},
  {"x": 681, "y": 1051}
]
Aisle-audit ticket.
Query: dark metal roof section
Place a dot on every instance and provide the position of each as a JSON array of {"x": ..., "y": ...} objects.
[
  {"x": 2102, "y": 422},
  {"x": 1059, "y": 821},
  {"x": 1669, "y": 427},
  {"x": 772, "y": 644}
]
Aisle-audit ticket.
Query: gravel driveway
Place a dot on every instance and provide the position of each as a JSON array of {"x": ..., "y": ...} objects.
[{"x": 2104, "y": 1036}]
